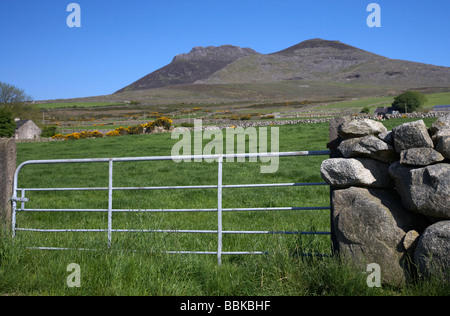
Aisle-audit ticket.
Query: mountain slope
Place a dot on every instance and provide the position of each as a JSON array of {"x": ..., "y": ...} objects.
[
  {"x": 199, "y": 64},
  {"x": 316, "y": 63},
  {"x": 320, "y": 60}
]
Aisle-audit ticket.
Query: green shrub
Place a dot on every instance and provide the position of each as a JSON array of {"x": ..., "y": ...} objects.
[
  {"x": 49, "y": 131},
  {"x": 7, "y": 123},
  {"x": 409, "y": 101}
]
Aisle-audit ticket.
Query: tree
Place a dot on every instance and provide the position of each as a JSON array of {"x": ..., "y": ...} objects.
[
  {"x": 10, "y": 94},
  {"x": 7, "y": 123},
  {"x": 16, "y": 100},
  {"x": 408, "y": 102}
]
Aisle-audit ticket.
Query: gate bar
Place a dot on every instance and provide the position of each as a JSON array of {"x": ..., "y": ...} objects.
[
  {"x": 254, "y": 232},
  {"x": 110, "y": 196},
  {"x": 219, "y": 211},
  {"x": 180, "y": 158},
  {"x": 255, "y": 209},
  {"x": 212, "y": 186}
]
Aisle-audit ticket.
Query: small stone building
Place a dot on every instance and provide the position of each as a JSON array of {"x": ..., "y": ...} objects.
[
  {"x": 384, "y": 111},
  {"x": 27, "y": 129}
]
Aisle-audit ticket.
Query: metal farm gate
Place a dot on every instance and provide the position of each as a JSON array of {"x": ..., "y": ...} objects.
[{"x": 19, "y": 199}]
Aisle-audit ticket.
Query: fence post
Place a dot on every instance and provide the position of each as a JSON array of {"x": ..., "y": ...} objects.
[
  {"x": 8, "y": 158},
  {"x": 334, "y": 141}
]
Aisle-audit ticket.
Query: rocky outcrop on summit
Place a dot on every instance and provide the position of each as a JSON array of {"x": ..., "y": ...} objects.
[
  {"x": 224, "y": 53},
  {"x": 199, "y": 64}
]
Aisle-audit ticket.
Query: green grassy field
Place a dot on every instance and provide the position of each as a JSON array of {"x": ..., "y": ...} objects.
[
  {"x": 108, "y": 116},
  {"x": 375, "y": 102},
  {"x": 62, "y": 105},
  {"x": 136, "y": 263}
]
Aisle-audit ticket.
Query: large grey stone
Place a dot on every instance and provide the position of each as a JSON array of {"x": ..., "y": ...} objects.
[
  {"x": 360, "y": 128},
  {"x": 436, "y": 137},
  {"x": 410, "y": 242},
  {"x": 370, "y": 227},
  {"x": 441, "y": 123},
  {"x": 387, "y": 137},
  {"x": 441, "y": 140},
  {"x": 411, "y": 135},
  {"x": 424, "y": 190},
  {"x": 334, "y": 138},
  {"x": 443, "y": 146},
  {"x": 343, "y": 173},
  {"x": 432, "y": 254},
  {"x": 369, "y": 147},
  {"x": 420, "y": 156}
]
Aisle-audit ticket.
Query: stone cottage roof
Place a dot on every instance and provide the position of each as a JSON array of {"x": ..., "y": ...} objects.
[{"x": 20, "y": 123}]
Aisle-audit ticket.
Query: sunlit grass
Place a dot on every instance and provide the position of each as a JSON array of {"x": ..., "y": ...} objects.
[{"x": 136, "y": 262}]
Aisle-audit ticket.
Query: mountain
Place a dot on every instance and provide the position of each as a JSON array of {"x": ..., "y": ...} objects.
[
  {"x": 199, "y": 64},
  {"x": 309, "y": 69},
  {"x": 331, "y": 61}
]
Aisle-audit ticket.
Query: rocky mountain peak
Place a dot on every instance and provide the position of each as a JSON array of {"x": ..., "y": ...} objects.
[
  {"x": 316, "y": 43},
  {"x": 224, "y": 52}
]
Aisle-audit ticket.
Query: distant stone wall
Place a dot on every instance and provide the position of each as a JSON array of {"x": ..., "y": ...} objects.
[
  {"x": 391, "y": 196},
  {"x": 418, "y": 115},
  {"x": 38, "y": 140}
]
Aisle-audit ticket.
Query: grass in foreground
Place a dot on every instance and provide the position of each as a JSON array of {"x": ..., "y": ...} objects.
[{"x": 135, "y": 265}]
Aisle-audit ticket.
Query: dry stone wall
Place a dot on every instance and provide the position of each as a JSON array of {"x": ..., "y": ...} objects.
[{"x": 391, "y": 197}]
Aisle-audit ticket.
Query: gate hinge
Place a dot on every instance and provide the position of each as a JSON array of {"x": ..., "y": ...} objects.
[{"x": 19, "y": 199}]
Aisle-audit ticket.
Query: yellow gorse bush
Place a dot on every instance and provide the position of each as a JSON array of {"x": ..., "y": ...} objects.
[
  {"x": 59, "y": 136},
  {"x": 112, "y": 133},
  {"x": 164, "y": 122},
  {"x": 160, "y": 122},
  {"x": 76, "y": 136}
]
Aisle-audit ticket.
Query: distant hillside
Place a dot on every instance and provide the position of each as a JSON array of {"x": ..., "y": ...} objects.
[
  {"x": 331, "y": 61},
  {"x": 199, "y": 64},
  {"x": 317, "y": 61}
]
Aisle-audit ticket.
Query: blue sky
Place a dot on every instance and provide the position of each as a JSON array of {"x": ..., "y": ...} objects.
[{"x": 122, "y": 40}]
